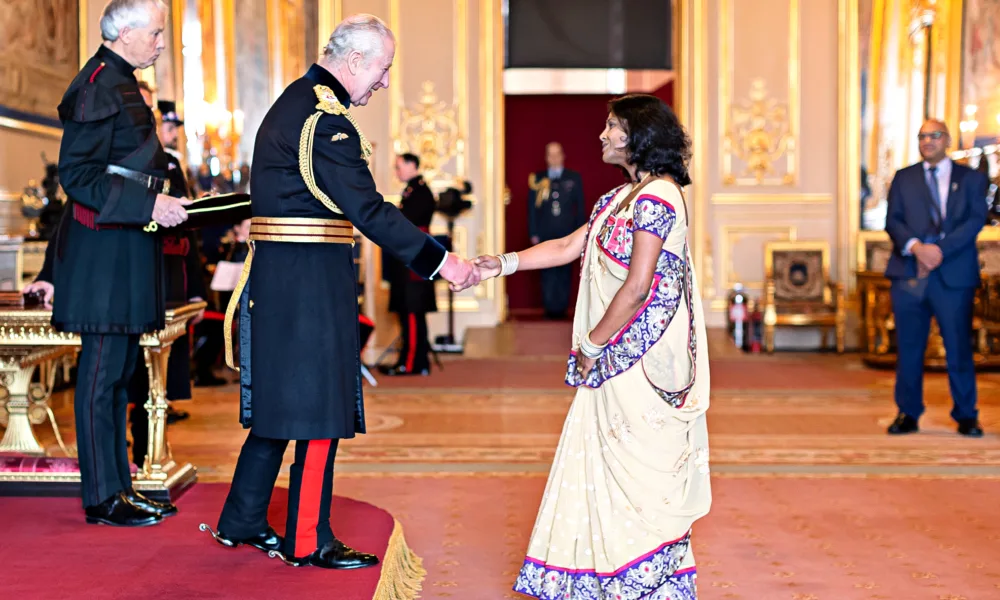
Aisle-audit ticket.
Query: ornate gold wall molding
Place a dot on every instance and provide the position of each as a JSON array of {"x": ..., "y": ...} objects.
[
  {"x": 395, "y": 74},
  {"x": 491, "y": 52},
  {"x": 430, "y": 130},
  {"x": 691, "y": 101},
  {"x": 461, "y": 88},
  {"x": 848, "y": 142},
  {"x": 42, "y": 130},
  {"x": 759, "y": 131},
  {"x": 750, "y": 198},
  {"x": 330, "y": 14},
  {"x": 732, "y": 234},
  {"x": 82, "y": 26}
]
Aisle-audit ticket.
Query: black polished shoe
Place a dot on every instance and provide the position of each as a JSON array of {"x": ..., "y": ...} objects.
[
  {"x": 401, "y": 370},
  {"x": 265, "y": 541},
  {"x": 337, "y": 555},
  {"x": 970, "y": 428},
  {"x": 174, "y": 415},
  {"x": 119, "y": 511},
  {"x": 160, "y": 509},
  {"x": 903, "y": 424}
]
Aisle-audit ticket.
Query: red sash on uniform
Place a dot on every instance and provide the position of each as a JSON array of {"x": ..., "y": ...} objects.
[{"x": 87, "y": 217}]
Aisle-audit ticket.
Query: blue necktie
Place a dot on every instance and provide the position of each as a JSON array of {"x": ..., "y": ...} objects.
[{"x": 935, "y": 194}]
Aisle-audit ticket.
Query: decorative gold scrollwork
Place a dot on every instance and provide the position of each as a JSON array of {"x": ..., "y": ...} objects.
[
  {"x": 430, "y": 130},
  {"x": 760, "y": 135}
]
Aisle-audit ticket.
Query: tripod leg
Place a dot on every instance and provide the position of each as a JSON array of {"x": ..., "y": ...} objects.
[{"x": 368, "y": 375}]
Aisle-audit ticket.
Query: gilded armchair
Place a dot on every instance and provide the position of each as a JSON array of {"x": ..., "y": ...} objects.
[{"x": 798, "y": 291}]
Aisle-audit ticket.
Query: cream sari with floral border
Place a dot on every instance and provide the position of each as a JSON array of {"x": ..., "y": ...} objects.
[{"x": 630, "y": 475}]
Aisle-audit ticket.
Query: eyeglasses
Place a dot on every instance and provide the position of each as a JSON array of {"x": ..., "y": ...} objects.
[{"x": 934, "y": 135}]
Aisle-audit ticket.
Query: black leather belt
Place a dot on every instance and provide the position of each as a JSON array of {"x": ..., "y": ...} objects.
[{"x": 156, "y": 184}]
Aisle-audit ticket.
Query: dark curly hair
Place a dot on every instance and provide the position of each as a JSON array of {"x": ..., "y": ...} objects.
[{"x": 657, "y": 142}]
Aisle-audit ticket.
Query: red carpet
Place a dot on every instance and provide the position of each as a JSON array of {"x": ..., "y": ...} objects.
[{"x": 49, "y": 552}]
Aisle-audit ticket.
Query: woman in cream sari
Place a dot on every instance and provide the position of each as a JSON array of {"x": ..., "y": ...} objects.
[{"x": 630, "y": 476}]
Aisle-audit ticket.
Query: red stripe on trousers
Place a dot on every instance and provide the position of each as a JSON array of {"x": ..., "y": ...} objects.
[
  {"x": 310, "y": 491},
  {"x": 413, "y": 343}
]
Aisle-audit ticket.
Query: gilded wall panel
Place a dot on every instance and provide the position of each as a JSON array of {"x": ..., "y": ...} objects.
[
  {"x": 759, "y": 98},
  {"x": 446, "y": 77},
  {"x": 253, "y": 69},
  {"x": 39, "y": 55}
]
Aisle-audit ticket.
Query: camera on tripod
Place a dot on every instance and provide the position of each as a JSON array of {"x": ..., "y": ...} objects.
[{"x": 451, "y": 203}]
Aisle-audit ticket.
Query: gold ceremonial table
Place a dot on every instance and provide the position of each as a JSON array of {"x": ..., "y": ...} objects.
[{"x": 27, "y": 341}]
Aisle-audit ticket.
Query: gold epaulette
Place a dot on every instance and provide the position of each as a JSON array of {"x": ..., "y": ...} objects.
[{"x": 328, "y": 104}]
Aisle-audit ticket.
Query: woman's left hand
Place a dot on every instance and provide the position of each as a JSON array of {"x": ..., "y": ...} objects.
[{"x": 585, "y": 365}]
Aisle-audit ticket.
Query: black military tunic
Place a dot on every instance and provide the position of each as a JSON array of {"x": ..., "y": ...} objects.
[
  {"x": 305, "y": 357},
  {"x": 300, "y": 376},
  {"x": 555, "y": 209},
  {"x": 409, "y": 292},
  {"x": 107, "y": 270}
]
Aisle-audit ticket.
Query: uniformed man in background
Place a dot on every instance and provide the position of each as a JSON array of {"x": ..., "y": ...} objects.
[
  {"x": 183, "y": 282},
  {"x": 410, "y": 295},
  {"x": 107, "y": 268},
  {"x": 298, "y": 301},
  {"x": 555, "y": 209}
]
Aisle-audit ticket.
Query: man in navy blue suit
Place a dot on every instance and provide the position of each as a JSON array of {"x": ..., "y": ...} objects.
[{"x": 936, "y": 210}]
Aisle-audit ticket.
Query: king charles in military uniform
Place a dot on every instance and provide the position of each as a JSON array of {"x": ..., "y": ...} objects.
[
  {"x": 299, "y": 356},
  {"x": 411, "y": 296},
  {"x": 555, "y": 209},
  {"x": 108, "y": 264}
]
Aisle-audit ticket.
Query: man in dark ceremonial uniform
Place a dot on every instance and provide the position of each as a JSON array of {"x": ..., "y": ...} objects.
[
  {"x": 299, "y": 339},
  {"x": 555, "y": 209},
  {"x": 183, "y": 282},
  {"x": 412, "y": 296},
  {"x": 108, "y": 270}
]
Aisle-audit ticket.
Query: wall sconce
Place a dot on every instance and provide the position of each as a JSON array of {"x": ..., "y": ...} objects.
[{"x": 967, "y": 128}]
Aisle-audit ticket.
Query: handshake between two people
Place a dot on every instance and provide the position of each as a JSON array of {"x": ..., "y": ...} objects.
[{"x": 462, "y": 274}]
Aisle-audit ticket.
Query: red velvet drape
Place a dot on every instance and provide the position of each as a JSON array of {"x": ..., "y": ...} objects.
[{"x": 575, "y": 121}]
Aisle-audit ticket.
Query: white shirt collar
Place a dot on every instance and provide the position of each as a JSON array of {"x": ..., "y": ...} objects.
[{"x": 943, "y": 167}]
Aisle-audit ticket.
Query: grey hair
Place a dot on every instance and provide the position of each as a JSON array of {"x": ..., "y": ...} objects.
[
  {"x": 363, "y": 33},
  {"x": 119, "y": 14}
]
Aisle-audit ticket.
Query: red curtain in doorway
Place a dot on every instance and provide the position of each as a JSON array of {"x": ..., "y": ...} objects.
[{"x": 575, "y": 121}]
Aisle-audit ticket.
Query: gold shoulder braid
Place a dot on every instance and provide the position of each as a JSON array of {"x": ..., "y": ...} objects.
[
  {"x": 328, "y": 104},
  {"x": 541, "y": 189}
]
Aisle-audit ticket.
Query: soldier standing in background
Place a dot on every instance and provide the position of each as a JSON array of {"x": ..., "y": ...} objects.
[
  {"x": 411, "y": 296},
  {"x": 183, "y": 282},
  {"x": 555, "y": 209}
]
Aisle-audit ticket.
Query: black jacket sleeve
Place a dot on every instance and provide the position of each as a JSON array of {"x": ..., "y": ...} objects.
[
  {"x": 46, "y": 274},
  {"x": 342, "y": 174},
  {"x": 963, "y": 236},
  {"x": 895, "y": 222},
  {"x": 84, "y": 156}
]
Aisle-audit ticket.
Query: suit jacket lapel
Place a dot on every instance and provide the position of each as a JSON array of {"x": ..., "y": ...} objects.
[{"x": 954, "y": 190}]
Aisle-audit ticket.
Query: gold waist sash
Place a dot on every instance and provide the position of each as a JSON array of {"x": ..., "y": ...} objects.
[{"x": 278, "y": 229}]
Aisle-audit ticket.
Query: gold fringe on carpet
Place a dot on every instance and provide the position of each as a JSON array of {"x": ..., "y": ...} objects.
[{"x": 402, "y": 570}]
